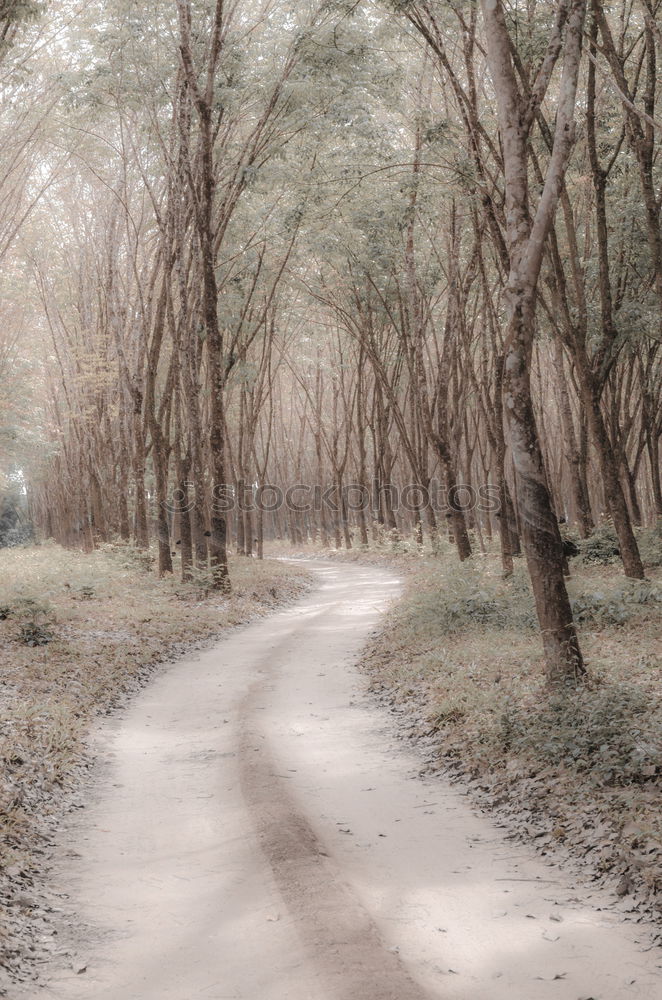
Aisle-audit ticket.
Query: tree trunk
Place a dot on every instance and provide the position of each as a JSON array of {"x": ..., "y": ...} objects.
[
  {"x": 139, "y": 461},
  {"x": 526, "y": 242},
  {"x": 581, "y": 504},
  {"x": 614, "y": 495}
]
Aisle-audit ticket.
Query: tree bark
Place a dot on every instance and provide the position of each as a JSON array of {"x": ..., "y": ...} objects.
[{"x": 526, "y": 241}]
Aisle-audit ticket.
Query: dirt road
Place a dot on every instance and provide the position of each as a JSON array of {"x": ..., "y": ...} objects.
[{"x": 256, "y": 833}]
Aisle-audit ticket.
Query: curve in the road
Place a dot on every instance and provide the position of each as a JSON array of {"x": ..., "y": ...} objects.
[{"x": 256, "y": 833}]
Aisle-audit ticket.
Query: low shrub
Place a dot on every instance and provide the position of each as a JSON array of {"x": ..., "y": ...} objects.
[
  {"x": 200, "y": 584},
  {"x": 35, "y": 620},
  {"x": 611, "y": 733},
  {"x": 650, "y": 545},
  {"x": 571, "y": 542},
  {"x": 485, "y": 604},
  {"x": 598, "y": 608},
  {"x": 129, "y": 556},
  {"x": 35, "y": 634},
  {"x": 601, "y": 548}
]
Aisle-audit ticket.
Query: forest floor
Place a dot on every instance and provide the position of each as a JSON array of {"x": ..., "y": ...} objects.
[
  {"x": 80, "y": 634},
  {"x": 578, "y": 773},
  {"x": 254, "y": 829}
]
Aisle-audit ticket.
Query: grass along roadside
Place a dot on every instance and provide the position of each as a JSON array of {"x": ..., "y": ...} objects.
[
  {"x": 78, "y": 633},
  {"x": 578, "y": 772}
]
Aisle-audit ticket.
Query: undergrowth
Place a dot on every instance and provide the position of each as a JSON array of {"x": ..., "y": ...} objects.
[
  {"x": 461, "y": 659},
  {"x": 601, "y": 548},
  {"x": 609, "y": 733}
]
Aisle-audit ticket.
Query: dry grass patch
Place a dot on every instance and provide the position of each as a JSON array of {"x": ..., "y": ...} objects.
[
  {"x": 77, "y": 633},
  {"x": 461, "y": 661}
]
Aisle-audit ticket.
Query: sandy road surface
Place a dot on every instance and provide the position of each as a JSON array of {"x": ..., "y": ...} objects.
[{"x": 257, "y": 833}]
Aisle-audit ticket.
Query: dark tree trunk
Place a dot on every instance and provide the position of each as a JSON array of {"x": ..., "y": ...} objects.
[{"x": 613, "y": 490}]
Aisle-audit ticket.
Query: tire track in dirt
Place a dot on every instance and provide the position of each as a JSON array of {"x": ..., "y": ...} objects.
[{"x": 342, "y": 939}]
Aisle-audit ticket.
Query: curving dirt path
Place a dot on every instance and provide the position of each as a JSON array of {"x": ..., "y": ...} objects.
[{"x": 257, "y": 833}]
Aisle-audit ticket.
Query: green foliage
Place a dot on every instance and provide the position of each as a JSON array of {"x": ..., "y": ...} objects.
[
  {"x": 200, "y": 584},
  {"x": 449, "y": 711},
  {"x": 129, "y": 556},
  {"x": 472, "y": 602},
  {"x": 609, "y": 733},
  {"x": 35, "y": 619},
  {"x": 598, "y": 608},
  {"x": 601, "y": 548},
  {"x": 15, "y": 526},
  {"x": 28, "y": 606},
  {"x": 13, "y": 11},
  {"x": 530, "y": 27},
  {"x": 33, "y": 633},
  {"x": 650, "y": 545},
  {"x": 571, "y": 541}
]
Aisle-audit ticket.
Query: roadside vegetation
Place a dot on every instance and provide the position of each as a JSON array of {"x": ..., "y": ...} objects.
[
  {"x": 78, "y": 633},
  {"x": 576, "y": 770}
]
